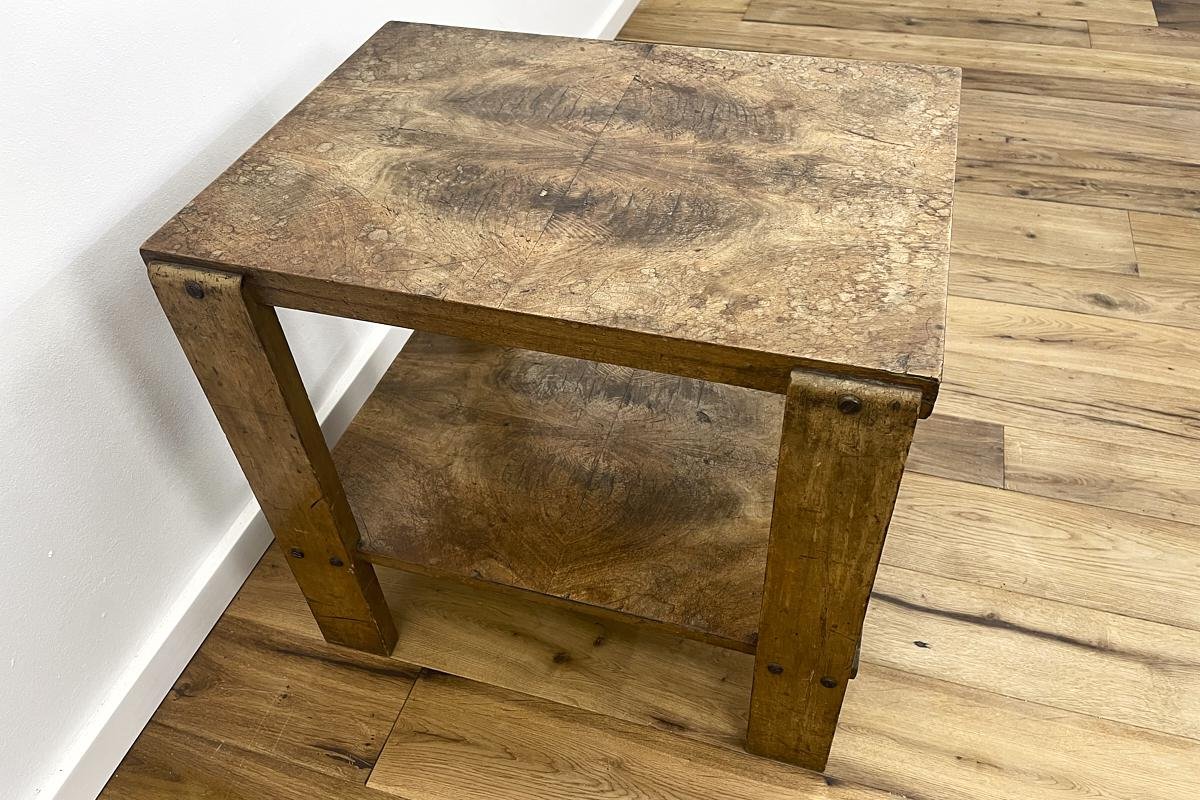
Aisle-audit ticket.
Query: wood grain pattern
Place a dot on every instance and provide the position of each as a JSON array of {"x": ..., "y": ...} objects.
[
  {"x": 962, "y": 449},
  {"x": 1178, "y": 94},
  {"x": 937, "y": 628},
  {"x": 168, "y": 763},
  {"x": 1167, "y": 247},
  {"x": 1056, "y": 397},
  {"x": 1146, "y": 482},
  {"x": 840, "y": 461},
  {"x": 1080, "y": 151},
  {"x": 1012, "y": 232},
  {"x": 1071, "y": 341},
  {"x": 1114, "y": 561},
  {"x": 981, "y": 638},
  {"x": 964, "y": 628},
  {"x": 1132, "y": 12},
  {"x": 1073, "y": 258},
  {"x": 1137, "y": 12},
  {"x": 299, "y": 701},
  {"x": 513, "y": 641},
  {"x": 519, "y": 746},
  {"x": 593, "y": 190},
  {"x": 1047, "y": 413},
  {"x": 1180, "y": 15},
  {"x": 1145, "y": 39},
  {"x": 579, "y": 481},
  {"x": 1131, "y": 297},
  {"x": 933, "y": 19},
  {"x": 242, "y": 360},
  {"x": 694, "y": 6},
  {"x": 922, "y": 737},
  {"x": 913, "y": 735},
  {"x": 1066, "y": 72}
]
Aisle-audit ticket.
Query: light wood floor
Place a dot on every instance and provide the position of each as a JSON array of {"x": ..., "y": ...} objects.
[{"x": 1035, "y": 631}]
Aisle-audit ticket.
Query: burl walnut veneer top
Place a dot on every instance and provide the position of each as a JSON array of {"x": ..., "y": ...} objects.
[{"x": 728, "y": 202}]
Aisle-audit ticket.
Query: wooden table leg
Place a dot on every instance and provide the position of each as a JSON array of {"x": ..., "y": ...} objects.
[
  {"x": 840, "y": 460},
  {"x": 239, "y": 353}
]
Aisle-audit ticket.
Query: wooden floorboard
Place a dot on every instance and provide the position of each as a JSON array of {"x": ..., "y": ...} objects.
[
  {"x": 1115, "y": 561},
  {"x": 1144, "y": 674},
  {"x": 301, "y": 701},
  {"x": 942, "y": 19},
  {"x": 461, "y": 740},
  {"x": 1088, "y": 152},
  {"x": 1035, "y": 628},
  {"x": 1149, "y": 482},
  {"x": 925, "y": 738},
  {"x": 1130, "y": 297},
  {"x": 170, "y": 763},
  {"x": 1182, "y": 15},
  {"x": 1167, "y": 247},
  {"x": 1125, "y": 11},
  {"x": 962, "y": 449},
  {"x": 1048, "y": 337},
  {"x": 903, "y": 729},
  {"x": 1072, "y": 258},
  {"x": 1013, "y": 233},
  {"x": 1158, "y": 39},
  {"x": 1041, "y": 70},
  {"x": 981, "y": 383},
  {"x": 622, "y": 670},
  {"x": 735, "y": 7}
]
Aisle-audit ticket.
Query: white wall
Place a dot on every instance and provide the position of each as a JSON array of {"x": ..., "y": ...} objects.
[{"x": 125, "y": 522}]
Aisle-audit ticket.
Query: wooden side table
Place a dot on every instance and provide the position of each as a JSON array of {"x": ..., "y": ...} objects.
[{"x": 651, "y": 260}]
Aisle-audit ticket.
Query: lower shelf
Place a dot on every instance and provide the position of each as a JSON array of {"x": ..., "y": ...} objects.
[{"x": 635, "y": 493}]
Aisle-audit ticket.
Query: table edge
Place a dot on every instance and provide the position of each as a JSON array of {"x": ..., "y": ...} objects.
[{"x": 763, "y": 370}]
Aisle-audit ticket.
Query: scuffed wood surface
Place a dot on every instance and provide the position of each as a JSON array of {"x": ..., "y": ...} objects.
[{"x": 735, "y": 202}]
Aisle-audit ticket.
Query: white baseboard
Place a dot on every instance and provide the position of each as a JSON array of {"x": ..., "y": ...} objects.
[
  {"x": 145, "y": 682},
  {"x": 613, "y": 19}
]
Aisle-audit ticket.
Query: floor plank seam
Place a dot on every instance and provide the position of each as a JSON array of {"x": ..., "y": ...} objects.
[{"x": 421, "y": 671}]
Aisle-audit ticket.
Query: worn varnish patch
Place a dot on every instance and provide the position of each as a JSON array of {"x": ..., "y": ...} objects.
[{"x": 794, "y": 207}]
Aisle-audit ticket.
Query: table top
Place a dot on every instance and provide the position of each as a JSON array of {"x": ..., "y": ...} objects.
[{"x": 726, "y": 204}]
